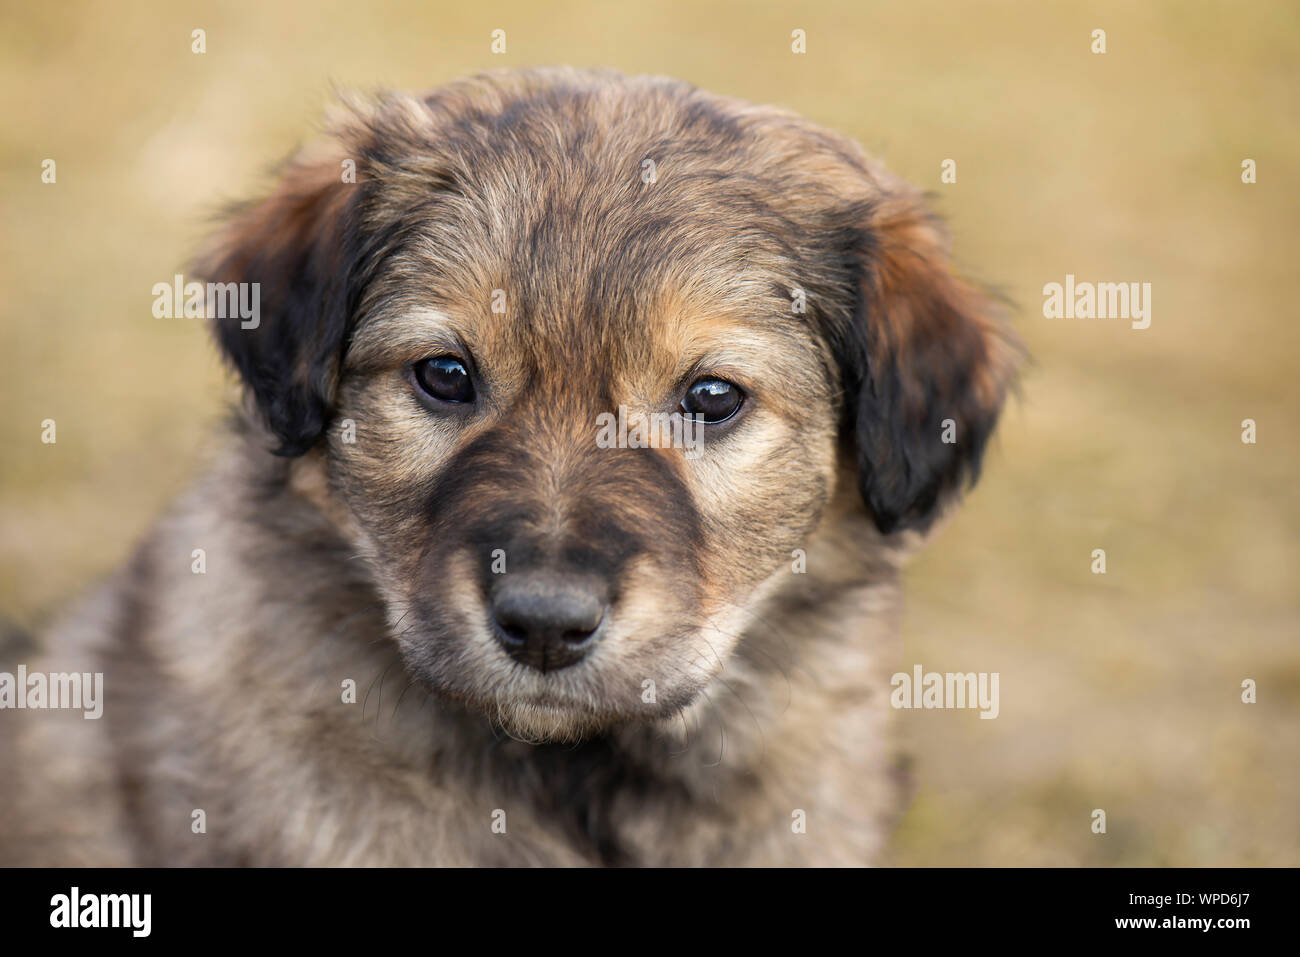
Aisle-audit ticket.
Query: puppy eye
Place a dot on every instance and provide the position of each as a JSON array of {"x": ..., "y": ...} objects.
[
  {"x": 445, "y": 378},
  {"x": 714, "y": 400}
]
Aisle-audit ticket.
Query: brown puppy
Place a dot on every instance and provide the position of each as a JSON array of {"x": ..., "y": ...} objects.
[{"x": 575, "y": 638}]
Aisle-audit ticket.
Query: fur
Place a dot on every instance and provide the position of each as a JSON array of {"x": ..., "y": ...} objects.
[{"x": 350, "y": 529}]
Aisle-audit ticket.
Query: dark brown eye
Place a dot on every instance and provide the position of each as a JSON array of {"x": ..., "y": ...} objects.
[
  {"x": 445, "y": 378},
  {"x": 714, "y": 400}
]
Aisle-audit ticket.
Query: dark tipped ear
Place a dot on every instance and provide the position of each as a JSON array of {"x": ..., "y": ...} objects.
[
  {"x": 933, "y": 367},
  {"x": 296, "y": 250}
]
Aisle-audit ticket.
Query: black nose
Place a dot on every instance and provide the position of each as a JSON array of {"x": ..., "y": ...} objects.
[{"x": 547, "y": 621}]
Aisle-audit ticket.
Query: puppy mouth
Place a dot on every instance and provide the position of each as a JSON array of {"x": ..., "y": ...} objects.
[
  {"x": 553, "y": 701},
  {"x": 551, "y": 716},
  {"x": 500, "y": 687},
  {"x": 471, "y": 667},
  {"x": 554, "y": 707}
]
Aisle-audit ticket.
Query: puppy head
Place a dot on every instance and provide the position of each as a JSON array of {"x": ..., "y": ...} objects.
[{"x": 583, "y": 358}]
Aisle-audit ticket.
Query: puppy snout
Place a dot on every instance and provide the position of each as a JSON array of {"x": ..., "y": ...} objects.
[{"x": 548, "y": 621}]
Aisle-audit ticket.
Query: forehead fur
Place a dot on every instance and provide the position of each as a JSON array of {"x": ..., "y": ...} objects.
[{"x": 585, "y": 202}]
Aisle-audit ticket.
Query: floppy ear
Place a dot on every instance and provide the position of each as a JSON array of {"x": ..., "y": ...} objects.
[
  {"x": 933, "y": 365},
  {"x": 298, "y": 248}
]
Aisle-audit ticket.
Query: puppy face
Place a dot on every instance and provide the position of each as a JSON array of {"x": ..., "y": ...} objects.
[{"x": 582, "y": 359}]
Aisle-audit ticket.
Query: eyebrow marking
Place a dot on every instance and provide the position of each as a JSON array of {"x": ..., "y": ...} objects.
[{"x": 402, "y": 335}]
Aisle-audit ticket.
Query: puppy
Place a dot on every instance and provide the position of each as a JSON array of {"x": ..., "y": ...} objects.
[{"x": 447, "y": 595}]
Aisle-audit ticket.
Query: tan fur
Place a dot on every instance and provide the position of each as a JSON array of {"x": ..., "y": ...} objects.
[{"x": 366, "y": 559}]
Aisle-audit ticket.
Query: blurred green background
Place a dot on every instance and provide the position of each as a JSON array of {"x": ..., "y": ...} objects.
[{"x": 1120, "y": 691}]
